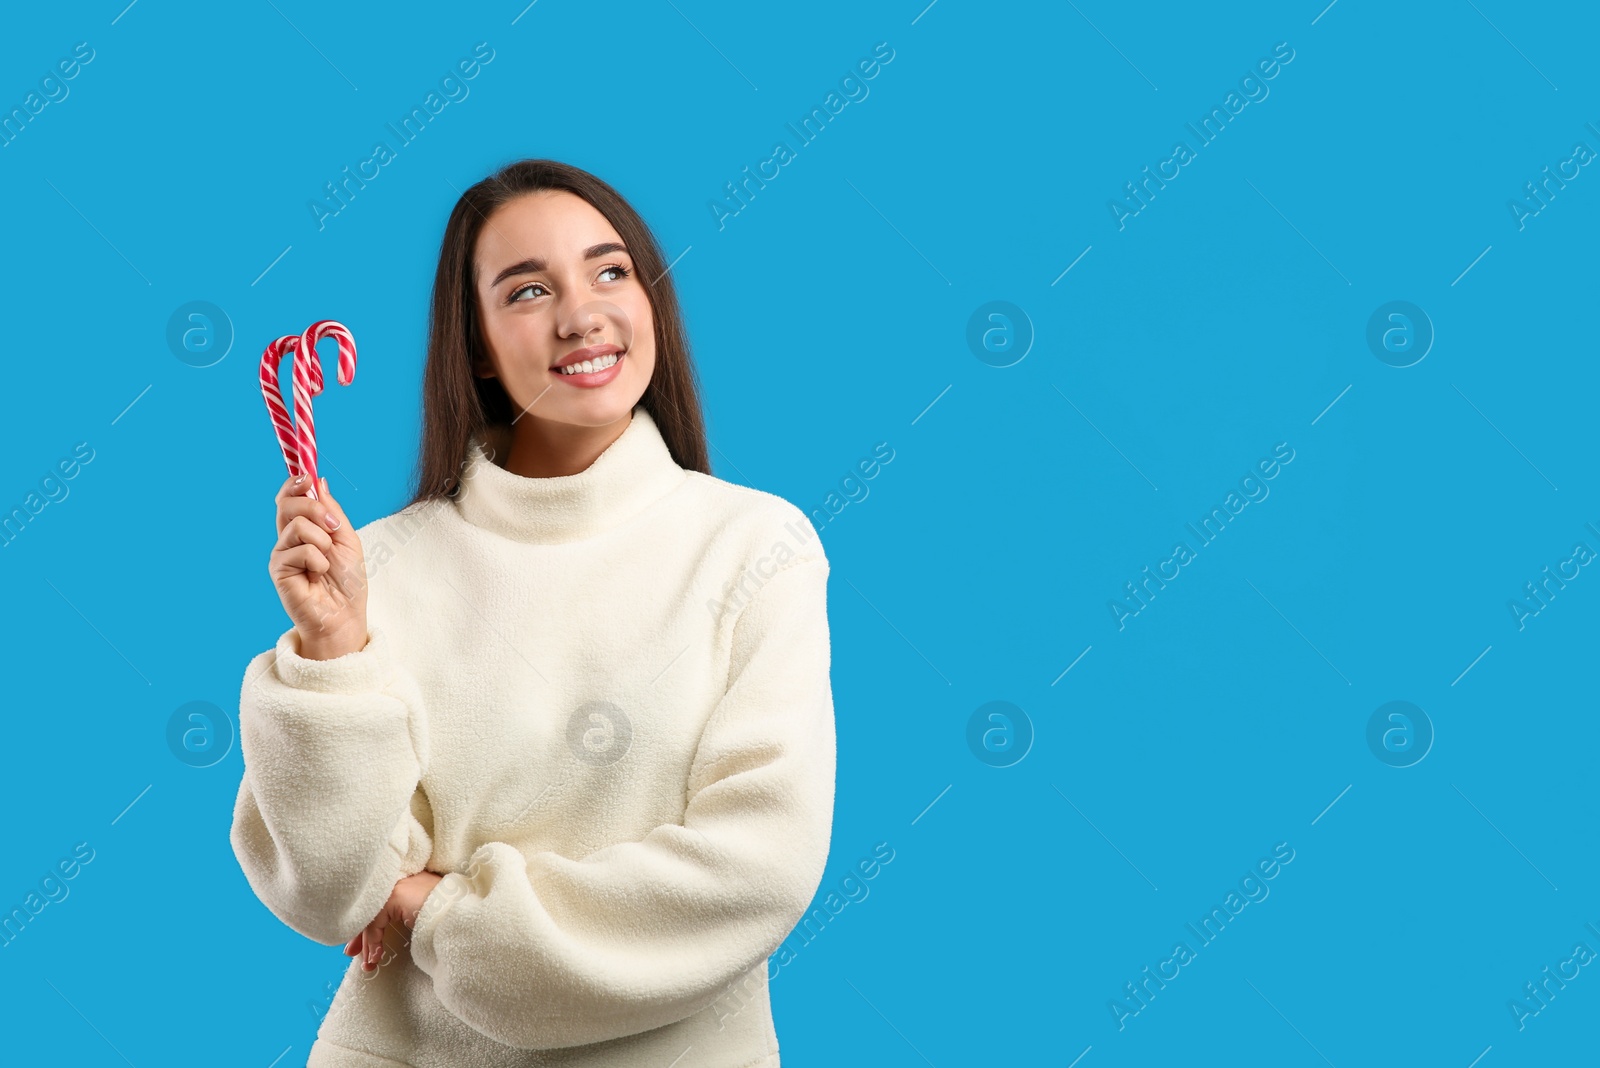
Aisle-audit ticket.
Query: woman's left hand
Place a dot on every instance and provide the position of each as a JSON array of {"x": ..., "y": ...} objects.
[{"x": 405, "y": 901}]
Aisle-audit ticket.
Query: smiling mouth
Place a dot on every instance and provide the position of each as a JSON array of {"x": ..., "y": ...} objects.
[
  {"x": 596, "y": 365},
  {"x": 591, "y": 366}
]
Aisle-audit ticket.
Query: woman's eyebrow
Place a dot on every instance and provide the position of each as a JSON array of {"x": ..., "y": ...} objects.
[{"x": 535, "y": 263}]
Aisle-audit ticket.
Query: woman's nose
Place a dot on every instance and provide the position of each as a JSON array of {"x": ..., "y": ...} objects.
[
  {"x": 599, "y": 320},
  {"x": 581, "y": 320}
]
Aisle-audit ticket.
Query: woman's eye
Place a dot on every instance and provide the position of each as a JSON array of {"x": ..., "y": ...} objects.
[{"x": 620, "y": 272}]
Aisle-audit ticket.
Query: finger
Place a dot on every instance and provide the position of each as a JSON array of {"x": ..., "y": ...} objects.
[
  {"x": 319, "y": 512},
  {"x": 357, "y": 946},
  {"x": 344, "y": 533},
  {"x": 289, "y": 486},
  {"x": 293, "y": 486},
  {"x": 301, "y": 530},
  {"x": 306, "y": 558},
  {"x": 375, "y": 951},
  {"x": 382, "y": 922}
]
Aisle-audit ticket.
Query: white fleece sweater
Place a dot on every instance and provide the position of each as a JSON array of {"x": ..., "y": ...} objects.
[{"x": 600, "y": 705}]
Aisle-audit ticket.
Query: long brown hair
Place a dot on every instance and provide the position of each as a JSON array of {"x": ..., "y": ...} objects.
[{"x": 456, "y": 404}]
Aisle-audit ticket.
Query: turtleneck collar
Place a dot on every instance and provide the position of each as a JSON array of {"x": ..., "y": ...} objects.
[{"x": 632, "y": 473}]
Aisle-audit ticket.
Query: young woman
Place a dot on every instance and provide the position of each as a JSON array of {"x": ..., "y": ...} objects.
[{"x": 551, "y": 749}]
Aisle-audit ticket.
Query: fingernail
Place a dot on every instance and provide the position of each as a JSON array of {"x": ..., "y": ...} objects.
[
  {"x": 332, "y": 521},
  {"x": 299, "y": 479}
]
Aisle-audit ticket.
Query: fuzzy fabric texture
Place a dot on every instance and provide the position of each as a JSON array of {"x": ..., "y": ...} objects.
[{"x": 598, "y": 704}]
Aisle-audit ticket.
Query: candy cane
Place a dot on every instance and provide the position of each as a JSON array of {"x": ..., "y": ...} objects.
[{"x": 298, "y": 440}]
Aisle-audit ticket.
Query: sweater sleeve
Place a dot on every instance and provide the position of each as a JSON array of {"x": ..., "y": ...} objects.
[
  {"x": 330, "y": 812},
  {"x": 540, "y": 951}
]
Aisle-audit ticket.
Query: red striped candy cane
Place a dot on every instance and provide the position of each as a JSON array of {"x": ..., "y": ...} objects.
[{"x": 298, "y": 440}]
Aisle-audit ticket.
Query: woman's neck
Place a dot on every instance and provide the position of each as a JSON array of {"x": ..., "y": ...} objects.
[
  {"x": 620, "y": 479},
  {"x": 544, "y": 449}
]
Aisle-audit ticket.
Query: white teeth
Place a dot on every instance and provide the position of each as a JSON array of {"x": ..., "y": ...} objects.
[{"x": 589, "y": 366}]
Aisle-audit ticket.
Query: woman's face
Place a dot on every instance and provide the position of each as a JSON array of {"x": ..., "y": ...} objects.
[{"x": 553, "y": 282}]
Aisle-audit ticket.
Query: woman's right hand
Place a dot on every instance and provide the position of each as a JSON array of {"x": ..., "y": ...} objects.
[{"x": 319, "y": 571}]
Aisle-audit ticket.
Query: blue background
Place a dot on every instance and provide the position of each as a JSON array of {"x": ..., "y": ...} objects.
[{"x": 831, "y": 314}]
